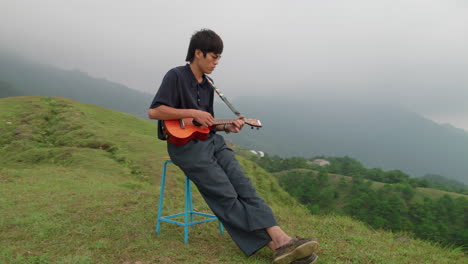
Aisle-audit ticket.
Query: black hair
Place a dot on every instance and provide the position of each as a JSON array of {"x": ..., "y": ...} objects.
[{"x": 205, "y": 40}]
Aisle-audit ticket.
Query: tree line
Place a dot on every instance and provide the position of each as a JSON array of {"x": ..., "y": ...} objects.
[
  {"x": 392, "y": 205},
  {"x": 351, "y": 167}
]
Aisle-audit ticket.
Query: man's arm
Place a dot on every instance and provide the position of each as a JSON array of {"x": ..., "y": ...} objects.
[{"x": 164, "y": 112}]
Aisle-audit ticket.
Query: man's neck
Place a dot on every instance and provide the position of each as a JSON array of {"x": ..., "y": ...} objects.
[{"x": 196, "y": 72}]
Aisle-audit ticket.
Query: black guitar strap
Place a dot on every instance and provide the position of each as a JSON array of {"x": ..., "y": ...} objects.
[{"x": 225, "y": 100}]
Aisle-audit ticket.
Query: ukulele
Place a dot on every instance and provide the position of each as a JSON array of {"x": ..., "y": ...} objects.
[{"x": 180, "y": 132}]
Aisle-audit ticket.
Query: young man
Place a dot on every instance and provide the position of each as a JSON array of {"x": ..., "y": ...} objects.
[{"x": 185, "y": 92}]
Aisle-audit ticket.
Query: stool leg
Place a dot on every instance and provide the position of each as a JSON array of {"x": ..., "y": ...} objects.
[
  {"x": 187, "y": 202},
  {"x": 221, "y": 228},
  {"x": 190, "y": 199},
  {"x": 161, "y": 197}
]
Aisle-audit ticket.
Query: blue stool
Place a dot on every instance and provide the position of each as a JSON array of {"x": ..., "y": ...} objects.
[{"x": 188, "y": 210}]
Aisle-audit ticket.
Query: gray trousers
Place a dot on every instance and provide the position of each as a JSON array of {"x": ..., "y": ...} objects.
[{"x": 212, "y": 167}]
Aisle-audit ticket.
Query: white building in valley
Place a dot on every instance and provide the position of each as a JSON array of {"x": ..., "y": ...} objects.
[{"x": 321, "y": 162}]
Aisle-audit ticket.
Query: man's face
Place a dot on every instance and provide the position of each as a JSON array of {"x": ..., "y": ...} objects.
[{"x": 207, "y": 63}]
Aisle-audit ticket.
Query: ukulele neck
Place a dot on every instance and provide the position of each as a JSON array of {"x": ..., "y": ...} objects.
[{"x": 223, "y": 121}]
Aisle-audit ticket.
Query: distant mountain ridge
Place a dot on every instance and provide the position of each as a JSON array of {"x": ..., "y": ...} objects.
[
  {"x": 380, "y": 136},
  {"x": 19, "y": 76}
]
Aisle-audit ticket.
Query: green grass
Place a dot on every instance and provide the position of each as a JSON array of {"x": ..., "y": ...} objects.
[{"x": 79, "y": 184}]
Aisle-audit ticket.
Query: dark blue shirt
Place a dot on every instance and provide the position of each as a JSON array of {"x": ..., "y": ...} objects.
[{"x": 180, "y": 89}]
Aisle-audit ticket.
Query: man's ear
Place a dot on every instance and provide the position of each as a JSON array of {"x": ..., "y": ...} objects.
[{"x": 198, "y": 53}]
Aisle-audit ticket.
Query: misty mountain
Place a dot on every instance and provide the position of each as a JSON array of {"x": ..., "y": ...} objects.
[
  {"x": 380, "y": 136},
  {"x": 377, "y": 135},
  {"x": 6, "y": 90},
  {"x": 19, "y": 76}
]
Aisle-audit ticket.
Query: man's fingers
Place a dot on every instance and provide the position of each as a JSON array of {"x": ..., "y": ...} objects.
[
  {"x": 204, "y": 118},
  {"x": 237, "y": 126},
  {"x": 239, "y": 123}
]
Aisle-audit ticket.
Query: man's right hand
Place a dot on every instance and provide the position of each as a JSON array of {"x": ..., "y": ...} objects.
[{"x": 202, "y": 117}]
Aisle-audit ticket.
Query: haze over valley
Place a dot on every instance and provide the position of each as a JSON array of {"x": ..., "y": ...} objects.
[{"x": 379, "y": 135}]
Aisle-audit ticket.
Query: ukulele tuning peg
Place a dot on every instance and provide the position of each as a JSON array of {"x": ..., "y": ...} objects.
[
  {"x": 251, "y": 127},
  {"x": 258, "y": 128}
]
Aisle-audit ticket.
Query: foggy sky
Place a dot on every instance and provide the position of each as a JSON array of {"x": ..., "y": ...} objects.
[{"x": 411, "y": 52}]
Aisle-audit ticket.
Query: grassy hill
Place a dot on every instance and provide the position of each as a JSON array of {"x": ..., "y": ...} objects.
[{"x": 79, "y": 184}]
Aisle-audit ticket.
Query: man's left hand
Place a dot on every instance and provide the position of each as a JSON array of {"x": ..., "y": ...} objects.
[{"x": 237, "y": 125}]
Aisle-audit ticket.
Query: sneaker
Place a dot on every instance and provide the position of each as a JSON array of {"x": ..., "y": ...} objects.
[
  {"x": 297, "y": 248},
  {"x": 308, "y": 260}
]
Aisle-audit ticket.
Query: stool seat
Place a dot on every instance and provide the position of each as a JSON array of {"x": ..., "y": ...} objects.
[{"x": 188, "y": 208}]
